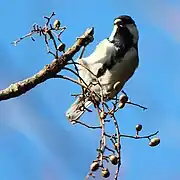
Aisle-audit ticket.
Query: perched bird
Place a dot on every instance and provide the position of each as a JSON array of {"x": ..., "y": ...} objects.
[{"x": 115, "y": 59}]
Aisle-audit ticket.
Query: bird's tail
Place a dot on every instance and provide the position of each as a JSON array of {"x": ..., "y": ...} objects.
[{"x": 77, "y": 108}]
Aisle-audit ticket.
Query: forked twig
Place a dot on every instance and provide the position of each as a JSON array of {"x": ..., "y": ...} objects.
[{"x": 106, "y": 113}]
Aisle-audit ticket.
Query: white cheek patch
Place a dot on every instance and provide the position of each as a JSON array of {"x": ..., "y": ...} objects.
[{"x": 111, "y": 38}]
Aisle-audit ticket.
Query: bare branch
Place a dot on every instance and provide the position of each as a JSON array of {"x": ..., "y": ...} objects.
[
  {"x": 109, "y": 152},
  {"x": 49, "y": 18},
  {"x": 134, "y": 104},
  {"x": 70, "y": 79},
  {"x": 86, "y": 125},
  {"x": 139, "y": 137},
  {"x": 21, "y": 87},
  {"x": 118, "y": 147}
]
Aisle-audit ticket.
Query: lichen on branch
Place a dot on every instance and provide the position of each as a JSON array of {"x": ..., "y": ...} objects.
[{"x": 49, "y": 71}]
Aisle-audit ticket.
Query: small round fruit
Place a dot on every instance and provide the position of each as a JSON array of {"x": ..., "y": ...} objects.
[
  {"x": 123, "y": 98},
  {"x": 73, "y": 122},
  {"x": 57, "y": 24},
  {"x": 102, "y": 115},
  {"x": 61, "y": 47},
  {"x": 94, "y": 166},
  {"x": 117, "y": 86},
  {"x": 154, "y": 142},
  {"x": 138, "y": 127},
  {"x": 105, "y": 173},
  {"x": 121, "y": 105},
  {"x": 113, "y": 159}
]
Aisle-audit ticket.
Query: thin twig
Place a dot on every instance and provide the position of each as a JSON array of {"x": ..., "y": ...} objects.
[
  {"x": 68, "y": 69},
  {"x": 139, "y": 137},
  {"x": 118, "y": 146},
  {"x": 134, "y": 104},
  {"x": 86, "y": 125},
  {"x": 76, "y": 95},
  {"x": 80, "y": 64},
  {"x": 110, "y": 149},
  {"x": 70, "y": 79},
  {"x": 49, "y": 18},
  {"x": 82, "y": 52},
  {"x": 21, "y": 38}
]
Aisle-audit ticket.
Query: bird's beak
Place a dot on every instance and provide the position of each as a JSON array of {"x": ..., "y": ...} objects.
[{"x": 118, "y": 22}]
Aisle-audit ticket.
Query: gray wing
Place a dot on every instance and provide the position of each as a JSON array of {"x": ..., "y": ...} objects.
[{"x": 100, "y": 59}]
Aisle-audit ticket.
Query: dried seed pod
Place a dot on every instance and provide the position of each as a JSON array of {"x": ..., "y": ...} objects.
[
  {"x": 57, "y": 24},
  {"x": 73, "y": 122},
  {"x": 113, "y": 159},
  {"x": 123, "y": 98},
  {"x": 117, "y": 86},
  {"x": 105, "y": 173},
  {"x": 94, "y": 166},
  {"x": 116, "y": 145},
  {"x": 138, "y": 127},
  {"x": 154, "y": 142},
  {"x": 61, "y": 47},
  {"x": 121, "y": 105},
  {"x": 103, "y": 115}
]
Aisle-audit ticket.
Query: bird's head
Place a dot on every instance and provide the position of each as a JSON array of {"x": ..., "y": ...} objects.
[{"x": 122, "y": 24}]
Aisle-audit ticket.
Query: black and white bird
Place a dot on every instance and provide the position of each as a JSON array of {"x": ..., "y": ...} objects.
[{"x": 115, "y": 59}]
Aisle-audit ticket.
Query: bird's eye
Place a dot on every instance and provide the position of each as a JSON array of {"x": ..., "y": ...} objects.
[{"x": 117, "y": 22}]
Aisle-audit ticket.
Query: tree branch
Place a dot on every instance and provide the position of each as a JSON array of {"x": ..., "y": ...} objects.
[
  {"x": 139, "y": 137},
  {"x": 50, "y": 70}
]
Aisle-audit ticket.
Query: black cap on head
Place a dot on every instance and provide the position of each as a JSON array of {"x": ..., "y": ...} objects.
[{"x": 125, "y": 19}]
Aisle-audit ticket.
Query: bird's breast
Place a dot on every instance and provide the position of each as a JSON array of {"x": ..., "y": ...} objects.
[{"x": 120, "y": 72}]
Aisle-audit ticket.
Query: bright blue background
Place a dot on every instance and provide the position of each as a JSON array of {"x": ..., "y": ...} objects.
[{"x": 36, "y": 140}]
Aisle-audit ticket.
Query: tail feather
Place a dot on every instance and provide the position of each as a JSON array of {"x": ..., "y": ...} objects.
[{"x": 76, "y": 110}]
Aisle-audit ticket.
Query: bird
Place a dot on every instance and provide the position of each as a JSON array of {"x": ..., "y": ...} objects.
[{"x": 114, "y": 61}]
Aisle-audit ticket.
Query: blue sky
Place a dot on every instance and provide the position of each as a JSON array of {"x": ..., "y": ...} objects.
[{"x": 36, "y": 140}]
